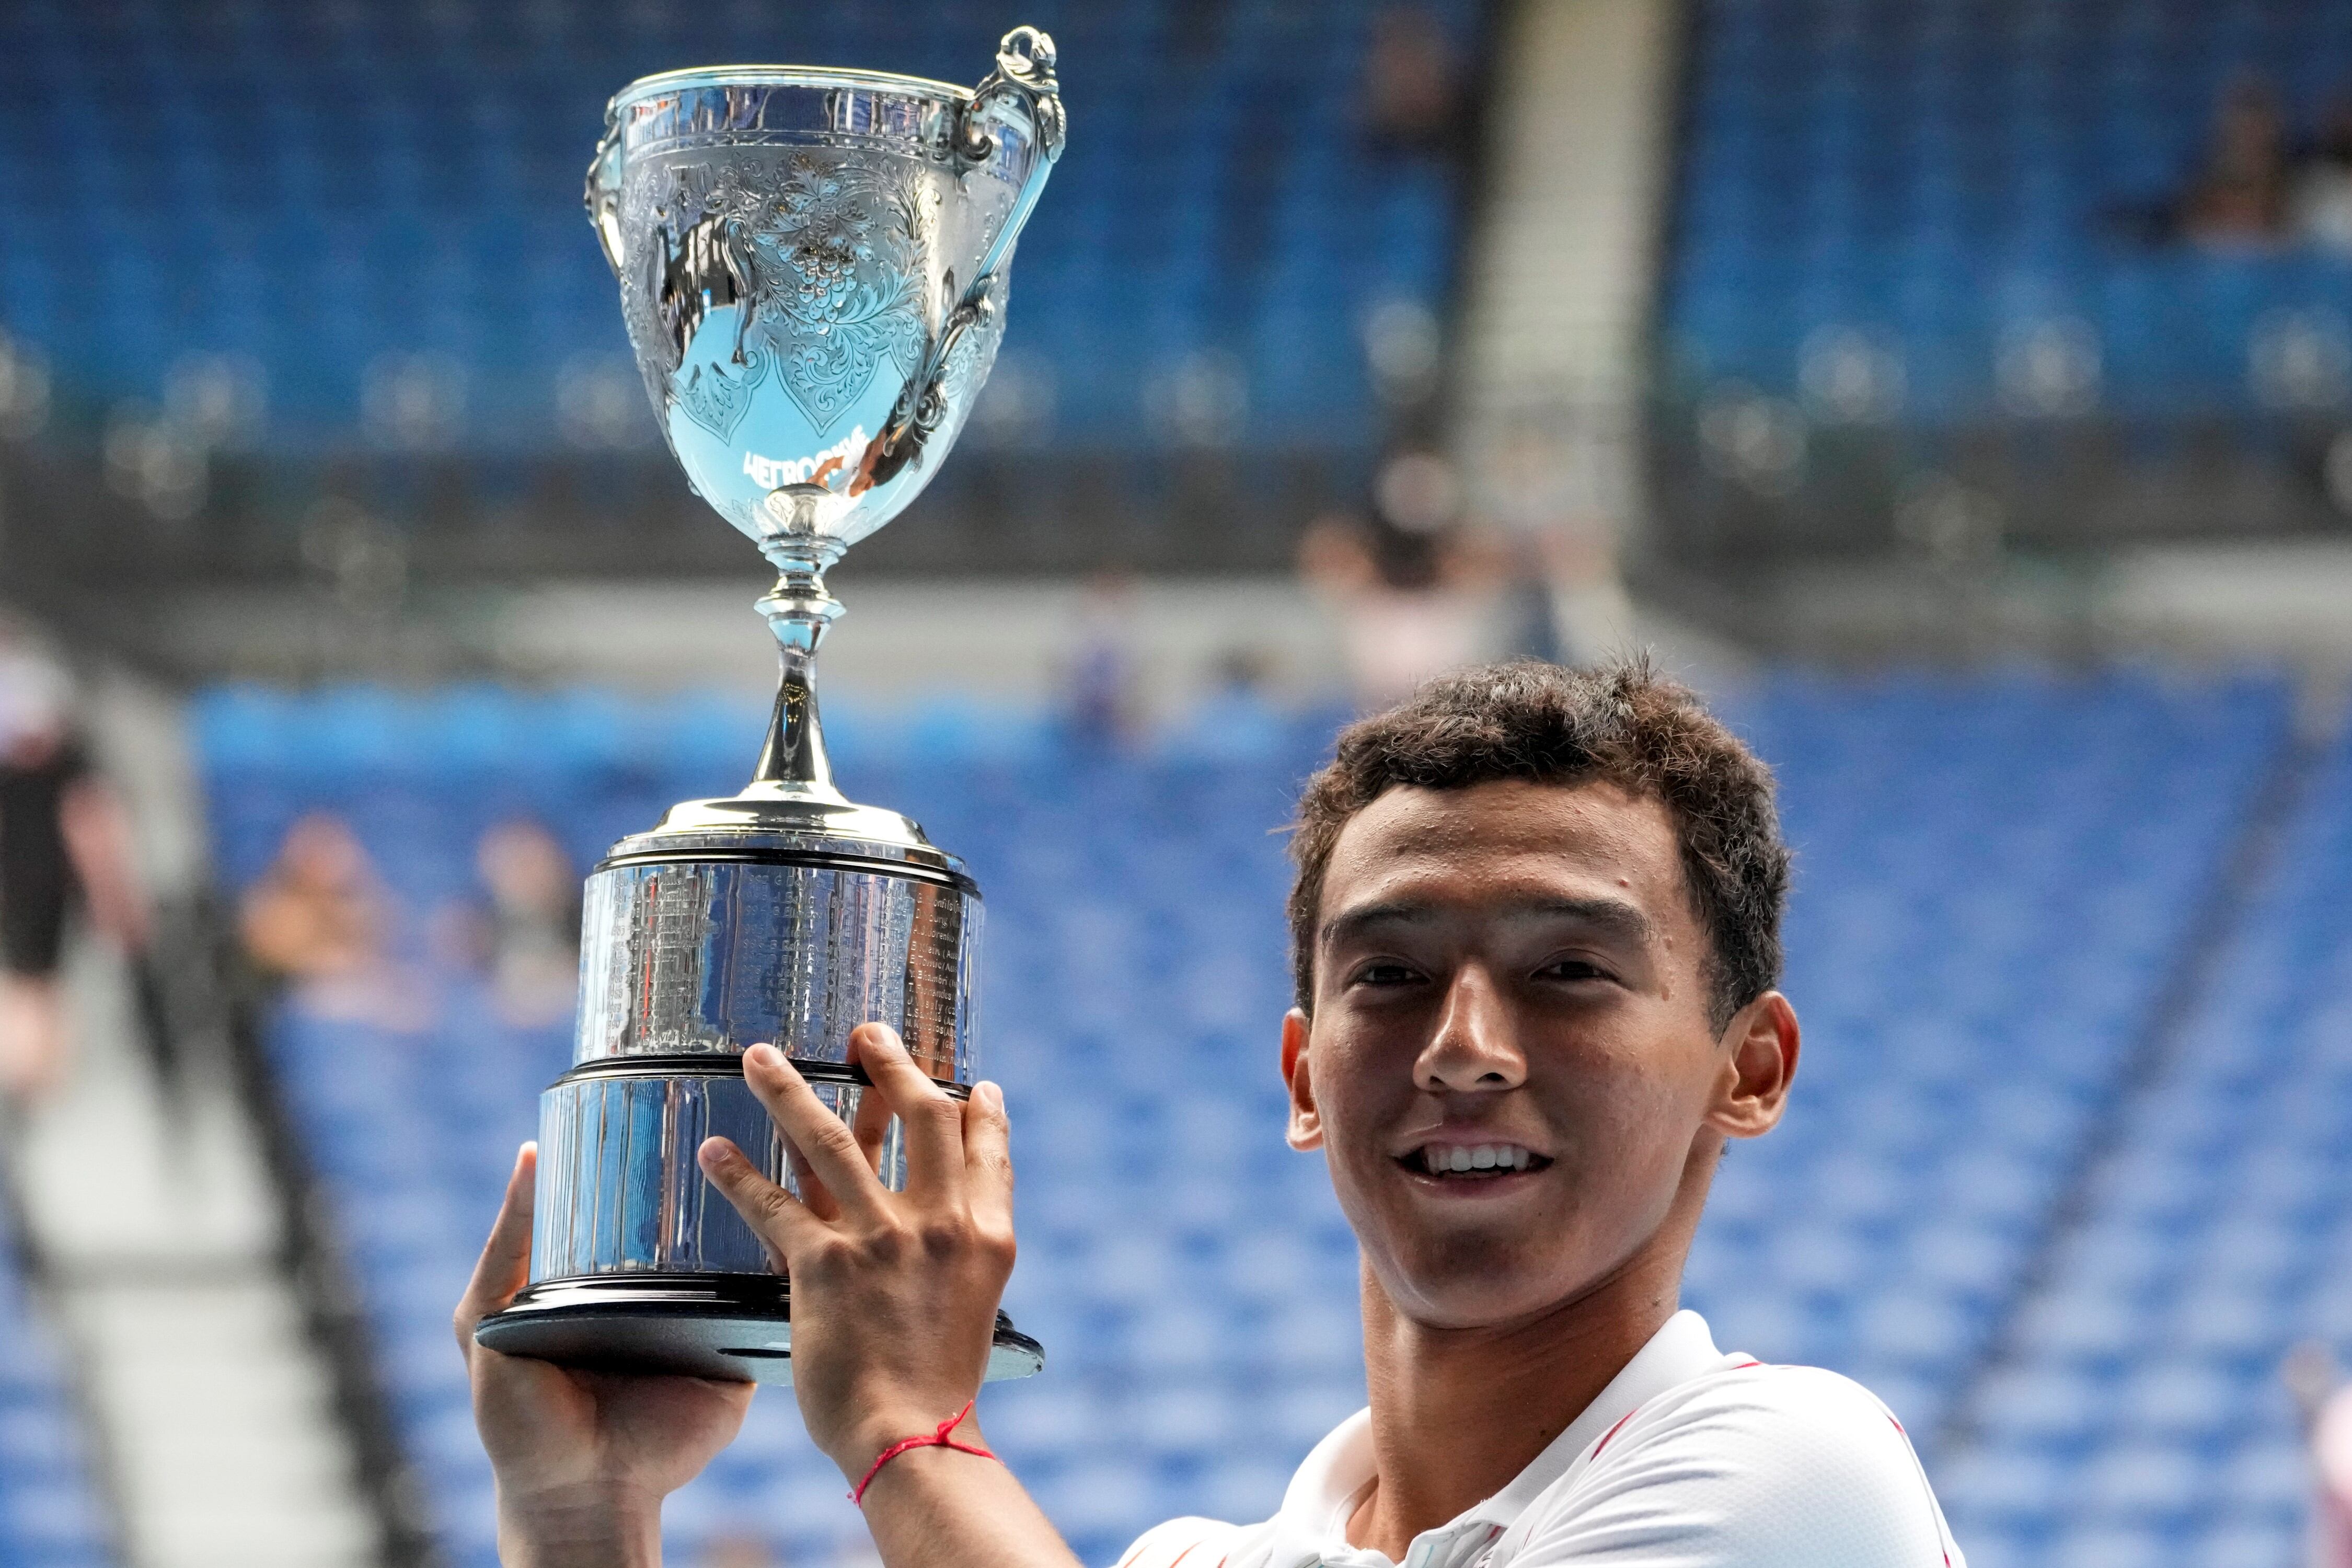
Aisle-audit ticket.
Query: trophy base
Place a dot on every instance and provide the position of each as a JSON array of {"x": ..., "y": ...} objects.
[{"x": 735, "y": 1328}]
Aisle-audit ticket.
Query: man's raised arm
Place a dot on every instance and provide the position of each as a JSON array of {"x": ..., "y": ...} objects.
[{"x": 894, "y": 1303}]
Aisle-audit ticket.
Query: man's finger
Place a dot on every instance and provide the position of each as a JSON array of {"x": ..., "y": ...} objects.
[
  {"x": 803, "y": 1184},
  {"x": 822, "y": 1139},
  {"x": 774, "y": 1215},
  {"x": 504, "y": 1267},
  {"x": 872, "y": 1125},
  {"x": 988, "y": 1157},
  {"x": 933, "y": 1120}
]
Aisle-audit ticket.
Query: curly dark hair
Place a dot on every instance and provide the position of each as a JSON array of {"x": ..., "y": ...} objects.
[{"x": 1621, "y": 721}]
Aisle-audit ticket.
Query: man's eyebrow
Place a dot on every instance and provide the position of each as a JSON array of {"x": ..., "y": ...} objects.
[
  {"x": 1612, "y": 917},
  {"x": 1616, "y": 916},
  {"x": 1365, "y": 917}
]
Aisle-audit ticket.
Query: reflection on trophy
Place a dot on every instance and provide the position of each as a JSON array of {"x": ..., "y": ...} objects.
[{"x": 813, "y": 266}]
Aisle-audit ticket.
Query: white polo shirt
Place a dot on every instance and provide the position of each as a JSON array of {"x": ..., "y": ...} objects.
[{"x": 1690, "y": 1458}]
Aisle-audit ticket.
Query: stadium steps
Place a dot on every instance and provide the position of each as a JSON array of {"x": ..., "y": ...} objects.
[
  {"x": 58, "y": 1504},
  {"x": 155, "y": 1216},
  {"x": 164, "y": 1259},
  {"x": 1558, "y": 289}
]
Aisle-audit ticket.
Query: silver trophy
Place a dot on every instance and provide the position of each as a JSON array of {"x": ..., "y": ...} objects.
[{"x": 813, "y": 268}]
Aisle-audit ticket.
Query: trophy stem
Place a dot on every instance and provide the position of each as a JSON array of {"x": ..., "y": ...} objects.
[{"x": 799, "y": 608}]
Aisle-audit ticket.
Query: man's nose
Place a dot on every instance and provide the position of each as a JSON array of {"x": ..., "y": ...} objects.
[{"x": 1476, "y": 1047}]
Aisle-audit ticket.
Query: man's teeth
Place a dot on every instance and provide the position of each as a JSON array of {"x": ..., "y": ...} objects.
[{"x": 1475, "y": 1157}]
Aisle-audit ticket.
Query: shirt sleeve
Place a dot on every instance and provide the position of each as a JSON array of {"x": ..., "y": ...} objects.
[
  {"x": 1182, "y": 1543},
  {"x": 1767, "y": 1467}
]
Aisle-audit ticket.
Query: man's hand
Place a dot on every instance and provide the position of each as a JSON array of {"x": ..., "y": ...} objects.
[
  {"x": 893, "y": 1294},
  {"x": 582, "y": 1459}
]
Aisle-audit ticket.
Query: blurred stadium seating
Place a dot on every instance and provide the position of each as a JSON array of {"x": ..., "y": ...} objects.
[
  {"x": 2141, "y": 1418},
  {"x": 358, "y": 205},
  {"x": 1943, "y": 180},
  {"x": 1994, "y": 869},
  {"x": 1994, "y": 882},
  {"x": 51, "y": 1515}
]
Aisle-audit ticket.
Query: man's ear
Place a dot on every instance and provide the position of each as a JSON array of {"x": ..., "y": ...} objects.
[
  {"x": 1758, "y": 1054},
  {"x": 1305, "y": 1131}
]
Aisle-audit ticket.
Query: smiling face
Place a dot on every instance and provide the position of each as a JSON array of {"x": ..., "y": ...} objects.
[{"x": 1511, "y": 1064}]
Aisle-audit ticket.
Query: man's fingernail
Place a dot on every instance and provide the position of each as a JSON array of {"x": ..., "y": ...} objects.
[
  {"x": 990, "y": 1098},
  {"x": 764, "y": 1056},
  {"x": 714, "y": 1153}
]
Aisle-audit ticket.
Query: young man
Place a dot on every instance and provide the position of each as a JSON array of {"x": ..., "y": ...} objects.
[{"x": 1536, "y": 930}]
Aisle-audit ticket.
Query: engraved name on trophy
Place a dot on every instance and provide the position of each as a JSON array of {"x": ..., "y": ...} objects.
[{"x": 813, "y": 270}]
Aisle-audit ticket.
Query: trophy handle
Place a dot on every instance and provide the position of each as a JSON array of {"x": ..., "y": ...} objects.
[
  {"x": 1023, "y": 84},
  {"x": 604, "y": 193}
]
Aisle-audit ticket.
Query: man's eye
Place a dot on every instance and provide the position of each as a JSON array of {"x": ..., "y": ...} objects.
[
  {"x": 1572, "y": 969},
  {"x": 1385, "y": 974}
]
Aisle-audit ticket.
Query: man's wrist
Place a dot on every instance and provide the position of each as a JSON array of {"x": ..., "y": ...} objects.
[
  {"x": 580, "y": 1527},
  {"x": 873, "y": 1436}
]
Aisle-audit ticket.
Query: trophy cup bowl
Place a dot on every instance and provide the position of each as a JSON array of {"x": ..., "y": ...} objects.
[{"x": 812, "y": 270}]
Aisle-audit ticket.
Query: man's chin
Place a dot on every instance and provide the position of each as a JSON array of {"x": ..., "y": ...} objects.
[{"x": 1467, "y": 1281}]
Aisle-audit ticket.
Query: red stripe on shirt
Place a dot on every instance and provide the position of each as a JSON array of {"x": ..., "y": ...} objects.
[{"x": 1613, "y": 1431}]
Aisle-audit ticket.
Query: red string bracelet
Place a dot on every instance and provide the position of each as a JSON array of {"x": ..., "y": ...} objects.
[{"x": 939, "y": 1438}]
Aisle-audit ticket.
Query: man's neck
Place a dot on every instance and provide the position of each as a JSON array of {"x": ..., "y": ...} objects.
[{"x": 1458, "y": 1413}]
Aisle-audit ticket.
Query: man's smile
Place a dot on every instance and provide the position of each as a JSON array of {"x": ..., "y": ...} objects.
[{"x": 1481, "y": 1161}]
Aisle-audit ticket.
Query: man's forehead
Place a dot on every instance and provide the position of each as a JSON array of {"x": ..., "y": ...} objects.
[{"x": 1510, "y": 830}]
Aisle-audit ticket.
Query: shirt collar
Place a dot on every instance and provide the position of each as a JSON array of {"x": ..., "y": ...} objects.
[{"x": 1324, "y": 1492}]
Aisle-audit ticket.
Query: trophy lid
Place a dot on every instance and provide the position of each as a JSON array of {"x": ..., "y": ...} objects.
[{"x": 777, "y": 821}]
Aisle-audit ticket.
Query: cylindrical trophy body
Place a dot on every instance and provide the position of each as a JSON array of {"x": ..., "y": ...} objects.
[
  {"x": 687, "y": 962},
  {"x": 682, "y": 955},
  {"x": 698, "y": 941}
]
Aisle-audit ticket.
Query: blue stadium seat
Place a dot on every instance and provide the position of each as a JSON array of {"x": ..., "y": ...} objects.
[
  {"x": 448, "y": 216},
  {"x": 51, "y": 1515},
  {"x": 1847, "y": 173}
]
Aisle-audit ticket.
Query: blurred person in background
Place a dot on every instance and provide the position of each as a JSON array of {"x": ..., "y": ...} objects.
[
  {"x": 524, "y": 936},
  {"x": 1412, "y": 86},
  {"x": 315, "y": 926},
  {"x": 1415, "y": 591},
  {"x": 64, "y": 838},
  {"x": 1101, "y": 673},
  {"x": 2240, "y": 196},
  {"x": 1551, "y": 496},
  {"x": 318, "y": 912}
]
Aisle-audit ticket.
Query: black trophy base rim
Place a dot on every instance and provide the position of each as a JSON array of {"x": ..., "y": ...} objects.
[{"x": 737, "y": 1328}]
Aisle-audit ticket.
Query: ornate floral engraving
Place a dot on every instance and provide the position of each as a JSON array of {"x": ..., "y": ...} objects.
[
  {"x": 825, "y": 266},
  {"x": 838, "y": 256},
  {"x": 716, "y": 400},
  {"x": 969, "y": 362}
]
